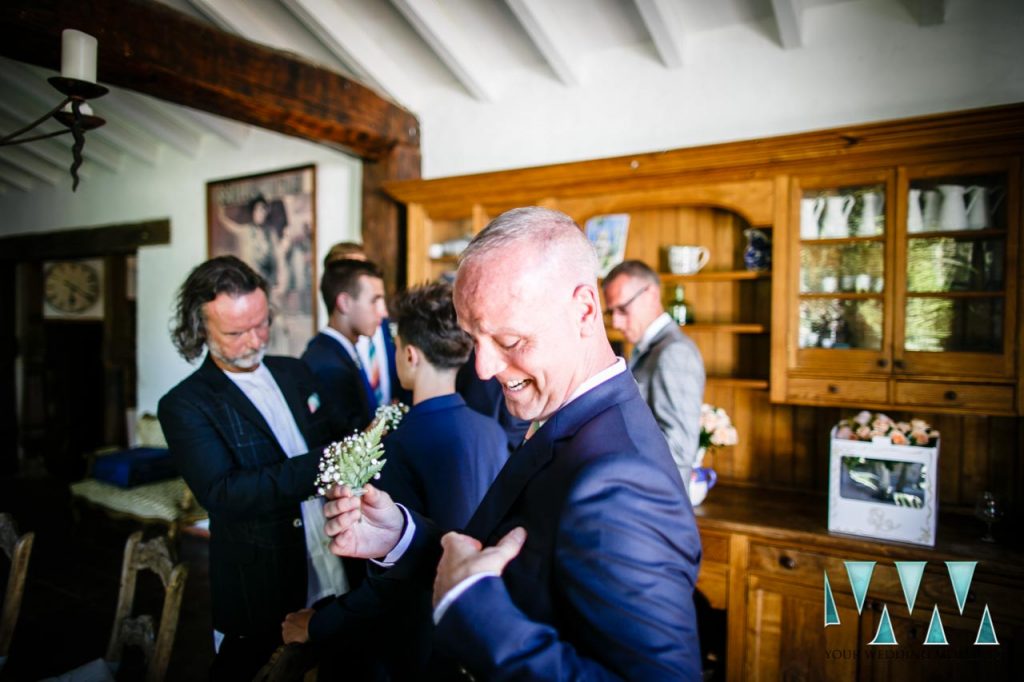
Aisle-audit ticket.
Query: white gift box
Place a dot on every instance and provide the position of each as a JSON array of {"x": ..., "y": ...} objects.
[{"x": 880, "y": 490}]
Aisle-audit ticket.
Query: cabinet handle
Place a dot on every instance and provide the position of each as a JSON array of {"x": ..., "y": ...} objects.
[
  {"x": 883, "y": 363},
  {"x": 787, "y": 562},
  {"x": 898, "y": 364},
  {"x": 949, "y": 395},
  {"x": 832, "y": 388}
]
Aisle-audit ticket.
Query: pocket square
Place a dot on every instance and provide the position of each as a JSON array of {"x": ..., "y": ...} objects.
[{"x": 313, "y": 403}]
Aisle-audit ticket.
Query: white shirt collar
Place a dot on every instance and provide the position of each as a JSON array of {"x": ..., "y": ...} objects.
[
  {"x": 345, "y": 343},
  {"x": 653, "y": 329}
]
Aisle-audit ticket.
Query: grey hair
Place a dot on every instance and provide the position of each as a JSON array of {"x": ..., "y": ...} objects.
[{"x": 552, "y": 233}]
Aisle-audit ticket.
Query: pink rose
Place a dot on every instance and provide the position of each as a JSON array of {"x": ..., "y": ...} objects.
[{"x": 898, "y": 438}]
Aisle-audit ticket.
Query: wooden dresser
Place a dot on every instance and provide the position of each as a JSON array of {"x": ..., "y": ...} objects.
[{"x": 765, "y": 557}]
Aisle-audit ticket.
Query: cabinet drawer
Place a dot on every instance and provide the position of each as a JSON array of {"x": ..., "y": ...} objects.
[
  {"x": 714, "y": 548},
  {"x": 975, "y": 397},
  {"x": 830, "y": 390},
  {"x": 793, "y": 564}
]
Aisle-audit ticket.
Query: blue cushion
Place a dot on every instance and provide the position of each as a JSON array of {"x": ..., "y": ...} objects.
[{"x": 134, "y": 466}]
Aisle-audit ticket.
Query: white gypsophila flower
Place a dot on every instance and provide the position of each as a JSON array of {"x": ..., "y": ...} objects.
[{"x": 356, "y": 459}]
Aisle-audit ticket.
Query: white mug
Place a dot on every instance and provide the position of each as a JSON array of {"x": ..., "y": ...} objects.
[
  {"x": 829, "y": 283},
  {"x": 687, "y": 260}
]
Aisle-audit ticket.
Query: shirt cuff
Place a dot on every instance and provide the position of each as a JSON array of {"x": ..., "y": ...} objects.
[
  {"x": 403, "y": 543},
  {"x": 451, "y": 595}
]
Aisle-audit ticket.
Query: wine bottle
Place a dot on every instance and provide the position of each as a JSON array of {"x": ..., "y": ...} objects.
[{"x": 678, "y": 309}]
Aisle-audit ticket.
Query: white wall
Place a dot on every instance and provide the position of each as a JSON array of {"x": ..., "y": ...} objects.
[
  {"x": 860, "y": 61},
  {"x": 176, "y": 189}
]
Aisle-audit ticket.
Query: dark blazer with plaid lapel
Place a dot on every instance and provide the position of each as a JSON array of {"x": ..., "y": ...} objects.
[
  {"x": 238, "y": 471},
  {"x": 603, "y": 587}
]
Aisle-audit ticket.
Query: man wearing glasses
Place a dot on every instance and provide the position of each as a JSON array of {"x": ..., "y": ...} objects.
[{"x": 666, "y": 364}]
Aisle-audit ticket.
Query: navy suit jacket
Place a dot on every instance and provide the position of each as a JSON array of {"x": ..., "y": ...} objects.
[
  {"x": 237, "y": 470},
  {"x": 603, "y": 586},
  {"x": 487, "y": 398},
  {"x": 441, "y": 460},
  {"x": 343, "y": 381}
]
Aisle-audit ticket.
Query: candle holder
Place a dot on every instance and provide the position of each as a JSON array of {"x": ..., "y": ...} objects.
[{"x": 73, "y": 113}]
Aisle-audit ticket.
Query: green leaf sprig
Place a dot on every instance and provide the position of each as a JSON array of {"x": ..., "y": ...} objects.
[{"x": 356, "y": 460}]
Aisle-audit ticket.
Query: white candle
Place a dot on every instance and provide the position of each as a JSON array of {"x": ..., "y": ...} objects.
[{"x": 78, "y": 55}]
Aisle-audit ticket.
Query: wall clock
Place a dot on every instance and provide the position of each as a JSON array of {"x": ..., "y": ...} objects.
[{"x": 73, "y": 289}]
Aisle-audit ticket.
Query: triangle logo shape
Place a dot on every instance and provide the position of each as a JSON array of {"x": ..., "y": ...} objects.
[
  {"x": 910, "y": 580},
  {"x": 960, "y": 574},
  {"x": 936, "y": 633},
  {"x": 859, "y": 573},
  {"x": 884, "y": 636},
  {"x": 986, "y": 631},
  {"x": 831, "y": 613}
]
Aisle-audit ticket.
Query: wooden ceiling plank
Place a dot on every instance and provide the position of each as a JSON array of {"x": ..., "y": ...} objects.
[
  {"x": 152, "y": 120},
  {"x": 14, "y": 177},
  {"x": 450, "y": 43},
  {"x": 232, "y": 132},
  {"x": 41, "y": 169},
  {"x": 156, "y": 50},
  {"x": 341, "y": 33},
  {"x": 789, "y": 20},
  {"x": 927, "y": 12},
  {"x": 543, "y": 27},
  {"x": 665, "y": 26}
]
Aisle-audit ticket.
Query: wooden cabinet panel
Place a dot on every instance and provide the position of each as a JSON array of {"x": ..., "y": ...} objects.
[
  {"x": 986, "y": 398},
  {"x": 837, "y": 391},
  {"x": 785, "y": 637}
]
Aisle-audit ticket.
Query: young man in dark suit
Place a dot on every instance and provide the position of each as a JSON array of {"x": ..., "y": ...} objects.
[
  {"x": 440, "y": 461},
  {"x": 245, "y": 432},
  {"x": 353, "y": 292},
  {"x": 581, "y": 560}
]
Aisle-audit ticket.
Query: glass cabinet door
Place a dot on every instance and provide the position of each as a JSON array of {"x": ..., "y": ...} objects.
[
  {"x": 842, "y": 273},
  {"x": 954, "y": 270}
]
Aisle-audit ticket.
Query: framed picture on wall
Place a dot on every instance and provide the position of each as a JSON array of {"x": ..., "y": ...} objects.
[{"x": 269, "y": 221}]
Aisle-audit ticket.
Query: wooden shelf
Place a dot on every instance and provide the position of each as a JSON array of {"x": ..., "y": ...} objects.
[
  {"x": 738, "y": 382},
  {"x": 717, "y": 276},
  {"x": 725, "y": 327},
  {"x": 849, "y": 295},
  {"x": 833, "y": 241},
  {"x": 999, "y": 293},
  {"x": 960, "y": 234}
]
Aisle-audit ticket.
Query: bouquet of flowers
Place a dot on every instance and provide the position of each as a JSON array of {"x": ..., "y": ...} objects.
[
  {"x": 356, "y": 460},
  {"x": 867, "y": 425},
  {"x": 716, "y": 429}
]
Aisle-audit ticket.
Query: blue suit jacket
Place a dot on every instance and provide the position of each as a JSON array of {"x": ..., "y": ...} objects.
[
  {"x": 603, "y": 587},
  {"x": 440, "y": 461},
  {"x": 342, "y": 380},
  {"x": 486, "y": 397},
  {"x": 237, "y": 470}
]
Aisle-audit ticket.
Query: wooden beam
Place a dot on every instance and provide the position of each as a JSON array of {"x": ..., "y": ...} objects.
[
  {"x": 450, "y": 43},
  {"x": 85, "y": 242},
  {"x": 927, "y": 12},
  {"x": 153, "y": 49},
  {"x": 663, "y": 23},
  {"x": 542, "y": 25},
  {"x": 789, "y": 19},
  {"x": 383, "y": 219}
]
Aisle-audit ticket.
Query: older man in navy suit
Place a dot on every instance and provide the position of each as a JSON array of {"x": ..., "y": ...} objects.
[
  {"x": 581, "y": 560},
  {"x": 245, "y": 430}
]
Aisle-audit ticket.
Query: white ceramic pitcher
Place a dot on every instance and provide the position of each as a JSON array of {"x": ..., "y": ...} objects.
[
  {"x": 915, "y": 221},
  {"x": 872, "y": 204},
  {"x": 953, "y": 214},
  {"x": 979, "y": 209},
  {"x": 837, "y": 216},
  {"x": 932, "y": 201},
  {"x": 810, "y": 217}
]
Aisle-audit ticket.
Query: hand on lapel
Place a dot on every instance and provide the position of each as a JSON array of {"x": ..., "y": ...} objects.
[{"x": 464, "y": 557}]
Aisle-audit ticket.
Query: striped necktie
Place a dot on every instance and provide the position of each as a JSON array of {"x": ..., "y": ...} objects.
[{"x": 373, "y": 375}]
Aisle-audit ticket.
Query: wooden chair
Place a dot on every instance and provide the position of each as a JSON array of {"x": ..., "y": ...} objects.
[
  {"x": 289, "y": 663},
  {"x": 17, "y": 548},
  {"x": 154, "y": 555}
]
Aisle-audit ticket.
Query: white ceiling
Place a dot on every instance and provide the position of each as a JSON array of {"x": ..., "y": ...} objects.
[{"x": 419, "y": 53}]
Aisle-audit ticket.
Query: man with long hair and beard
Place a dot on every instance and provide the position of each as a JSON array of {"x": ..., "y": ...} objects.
[{"x": 241, "y": 430}]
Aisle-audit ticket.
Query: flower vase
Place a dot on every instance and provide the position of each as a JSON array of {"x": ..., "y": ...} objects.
[{"x": 702, "y": 479}]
